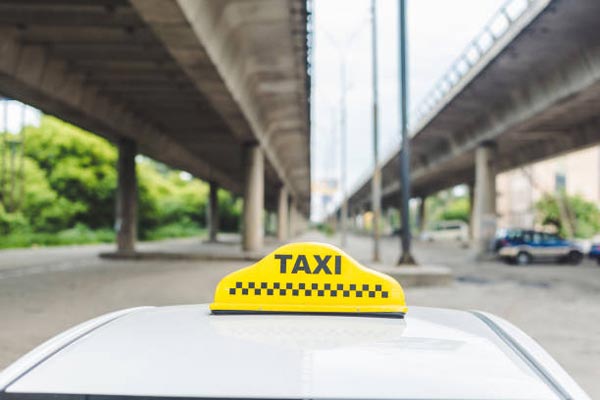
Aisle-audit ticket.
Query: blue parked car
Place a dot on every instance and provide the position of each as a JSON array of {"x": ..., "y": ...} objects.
[
  {"x": 504, "y": 237},
  {"x": 525, "y": 246},
  {"x": 595, "y": 252}
]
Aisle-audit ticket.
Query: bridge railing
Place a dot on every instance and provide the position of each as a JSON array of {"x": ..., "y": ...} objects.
[{"x": 494, "y": 30}]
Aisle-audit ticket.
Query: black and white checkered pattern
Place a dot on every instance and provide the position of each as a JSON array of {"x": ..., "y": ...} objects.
[{"x": 305, "y": 289}]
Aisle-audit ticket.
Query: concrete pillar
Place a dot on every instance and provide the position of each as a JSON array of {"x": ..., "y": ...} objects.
[
  {"x": 301, "y": 223},
  {"x": 421, "y": 215},
  {"x": 212, "y": 212},
  {"x": 344, "y": 222},
  {"x": 271, "y": 223},
  {"x": 334, "y": 222},
  {"x": 126, "y": 215},
  {"x": 471, "y": 187},
  {"x": 282, "y": 215},
  {"x": 387, "y": 226},
  {"x": 297, "y": 221},
  {"x": 293, "y": 220},
  {"x": 254, "y": 197},
  {"x": 484, "y": 209}
]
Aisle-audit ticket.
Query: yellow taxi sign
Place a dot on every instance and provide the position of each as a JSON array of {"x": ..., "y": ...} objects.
[{"x": 308, "y": 278}]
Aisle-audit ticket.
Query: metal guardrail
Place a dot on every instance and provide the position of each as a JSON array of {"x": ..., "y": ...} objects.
[{"x": 510, "y": 12}]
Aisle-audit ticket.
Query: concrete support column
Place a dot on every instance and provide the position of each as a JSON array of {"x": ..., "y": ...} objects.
[
  {"x": 484, "y": 209},
  {"x": 212, "y": 212},
  {"x": 344, "y": 222},
  {"x": 422, "y": 215},
  {"x": 471, "y": 187},
  {"x": 254, "y": 197},
  {"x": 126, "y": 215},
  {"x": 282, "y": 215},
  {"x": 385, "y": 220},
  {"x": 293, "y": 220},
  {"x": 362, "y": 221},
  {"x": 271, "y": 223},
  {"x": 332, "y": 221},
  {"x": 302, "y": 223}
]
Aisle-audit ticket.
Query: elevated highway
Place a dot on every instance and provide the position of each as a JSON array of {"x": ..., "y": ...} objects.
[
  {"x": 217, "y": 88},
  {"x": 527, "y": 88}
]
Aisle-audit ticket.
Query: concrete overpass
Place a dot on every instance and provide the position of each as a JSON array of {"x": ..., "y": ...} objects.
[
  {"x": 527, "y": 88},
  {"x": 216, "y": 88}
]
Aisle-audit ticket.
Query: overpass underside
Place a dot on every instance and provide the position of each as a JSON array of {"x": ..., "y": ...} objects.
[
  {"x": 534, "y": 94},
  {"x": 215, "y": 88}
]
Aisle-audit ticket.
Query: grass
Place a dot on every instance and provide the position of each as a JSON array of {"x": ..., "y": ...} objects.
[
  {"x": 81, "y": 234},
  {"x": 176, "y": 230},
  {"x": 326, "y": 229}
]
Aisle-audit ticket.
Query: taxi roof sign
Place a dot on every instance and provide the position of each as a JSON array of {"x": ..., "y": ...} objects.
[{"x": 309, "y": 278}]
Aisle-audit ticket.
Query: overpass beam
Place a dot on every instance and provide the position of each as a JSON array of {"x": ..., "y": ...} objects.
[
  {"x": 254, "y": 192},
  {"x": 484, "y": 207},
  {"x": 212, "y": 211},
  {"x": 126, "y": 213},
  {"x": 282, "y": 214}
]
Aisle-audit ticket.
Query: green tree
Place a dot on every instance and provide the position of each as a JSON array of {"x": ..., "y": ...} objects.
[
  {"x": 456, "y": 209},
  {"x": 11, "y": 222},
  {"x": 583, "y": 215},
  {"x": 79, "y": 167},
  {"x": 445, "y": 206},
  {"x": 230, "y": 211},
  {"x": 167, "y": 198},
  {"x": 69, "y": 192},
  {"x": 44, "y": 209}
]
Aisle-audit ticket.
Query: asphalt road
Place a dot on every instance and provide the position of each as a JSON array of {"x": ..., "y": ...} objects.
[{"x": 45, "y": 291}]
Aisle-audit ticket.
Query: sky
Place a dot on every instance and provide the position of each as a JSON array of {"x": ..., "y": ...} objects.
[
  {"x": 438, "y": 31},
  {"x": 17, "y": 115}
]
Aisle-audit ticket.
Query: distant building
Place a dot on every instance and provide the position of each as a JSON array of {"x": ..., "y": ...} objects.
[{"x": 518, "y": 190}]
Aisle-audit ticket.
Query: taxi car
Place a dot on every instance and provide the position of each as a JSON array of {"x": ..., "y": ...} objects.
[{"x": 305, "y": 322}]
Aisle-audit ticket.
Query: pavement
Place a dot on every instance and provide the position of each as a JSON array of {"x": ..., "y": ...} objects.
[{"x": 47, "y": 290}]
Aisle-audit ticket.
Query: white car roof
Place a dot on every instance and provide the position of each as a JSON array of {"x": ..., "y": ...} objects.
[{"x": 184, "y": 351}]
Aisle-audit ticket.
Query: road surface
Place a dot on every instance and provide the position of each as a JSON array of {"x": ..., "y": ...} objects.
[{"x": 44, "y": 291}]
